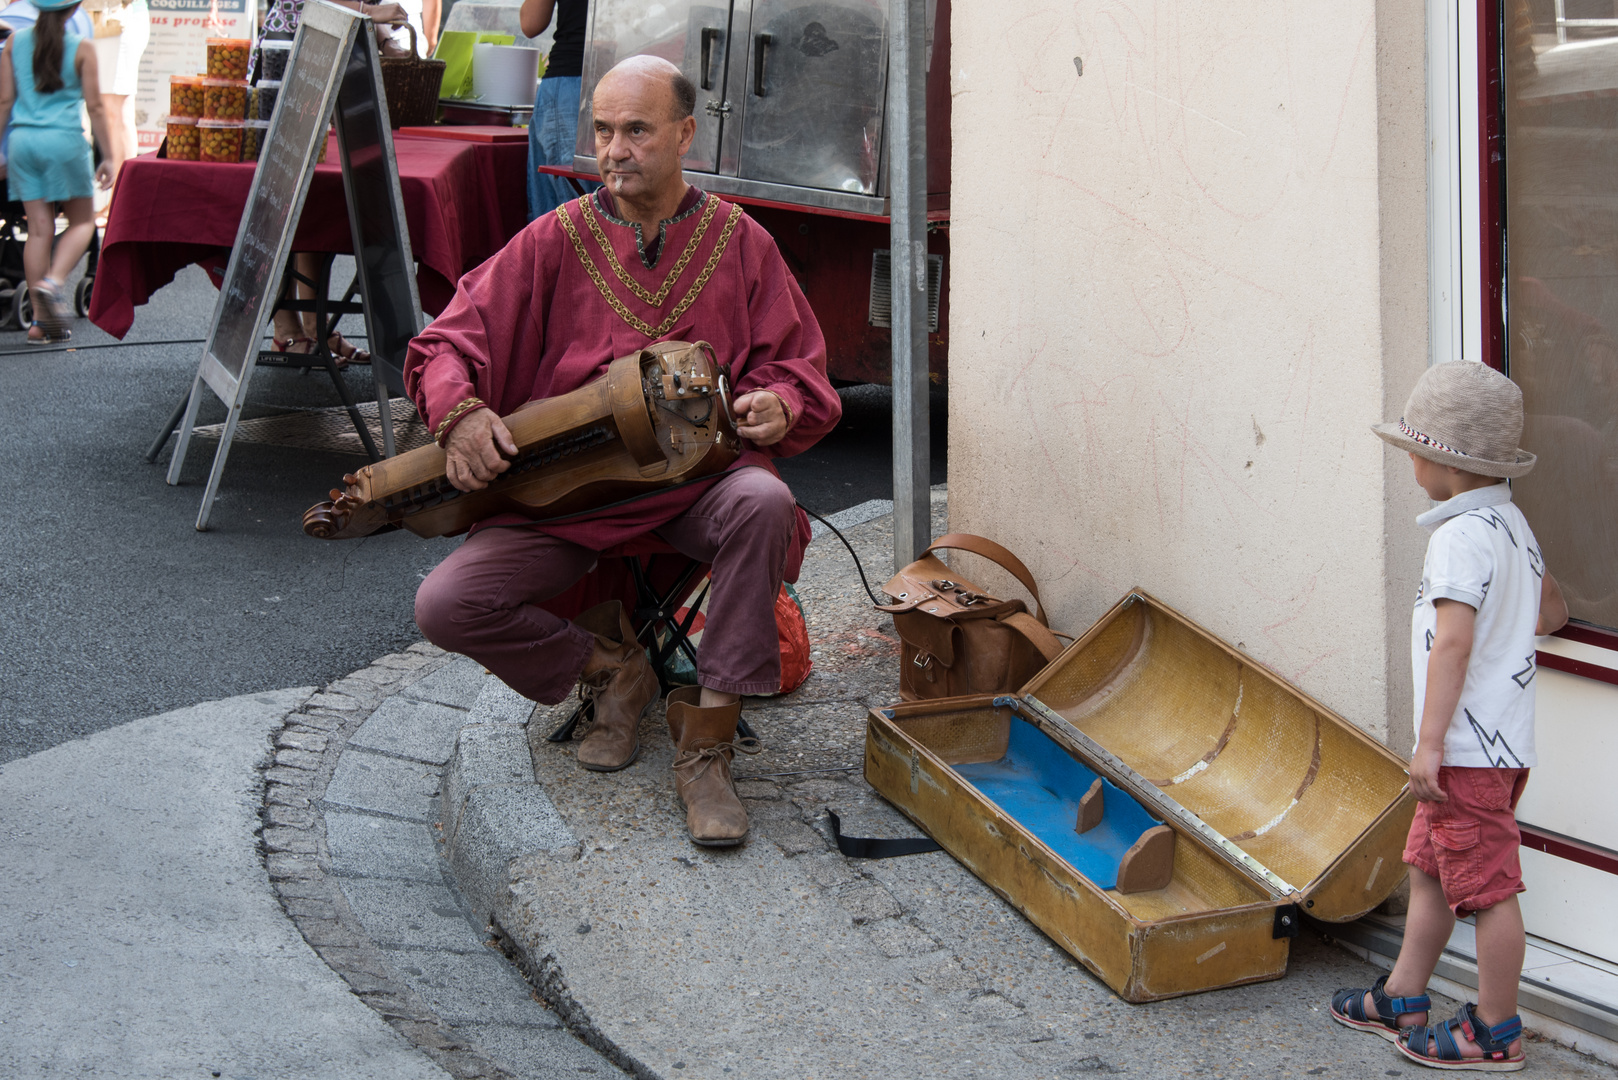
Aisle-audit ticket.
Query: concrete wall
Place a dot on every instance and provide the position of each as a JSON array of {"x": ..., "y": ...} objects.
[{"x": 1183, "y": 284}]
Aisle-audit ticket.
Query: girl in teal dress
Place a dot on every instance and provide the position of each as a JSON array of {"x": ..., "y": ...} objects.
[{"x": 46, "y": 73}]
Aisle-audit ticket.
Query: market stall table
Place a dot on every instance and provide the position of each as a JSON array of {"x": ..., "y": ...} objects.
[{"x": 463, "y": 201}]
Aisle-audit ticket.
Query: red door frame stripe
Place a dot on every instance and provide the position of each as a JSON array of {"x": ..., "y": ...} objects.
[
  {"x": 1492, "y": 183},
  {"x": 1566, "y": 847},
  {"x": 1492, "y": 256}
]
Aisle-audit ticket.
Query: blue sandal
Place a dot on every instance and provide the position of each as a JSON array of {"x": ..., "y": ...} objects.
[
  {"x": 1348, "y": 1009},
  {"x": 1437, "y": 1048}
]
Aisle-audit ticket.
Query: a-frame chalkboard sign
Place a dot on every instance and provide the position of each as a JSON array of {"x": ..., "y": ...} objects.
[{"x": 334, "y": 74}]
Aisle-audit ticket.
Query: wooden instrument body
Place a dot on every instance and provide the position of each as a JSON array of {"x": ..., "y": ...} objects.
[{"x": 657, "y": 418}]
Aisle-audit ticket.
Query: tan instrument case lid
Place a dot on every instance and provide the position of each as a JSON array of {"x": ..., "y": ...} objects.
[{"x": 1285, "y": 790}]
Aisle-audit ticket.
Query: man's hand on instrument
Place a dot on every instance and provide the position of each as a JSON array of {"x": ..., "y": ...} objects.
[
  {"x": 478, "y": 451},
  {"x": 761, "y": 419}
]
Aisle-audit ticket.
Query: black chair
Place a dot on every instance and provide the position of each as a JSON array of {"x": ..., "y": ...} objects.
[{"x": 654, "y": 612}]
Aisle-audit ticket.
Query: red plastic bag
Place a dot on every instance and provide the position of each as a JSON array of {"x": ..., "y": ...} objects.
[{"x": 792, "y": 633}]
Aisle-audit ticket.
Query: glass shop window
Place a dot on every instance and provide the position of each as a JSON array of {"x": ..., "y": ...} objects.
[{"x": 1560, "y": 78}]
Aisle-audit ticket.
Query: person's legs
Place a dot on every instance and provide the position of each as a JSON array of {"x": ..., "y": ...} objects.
[
  {"x": 1428, "y": 926},
  {"x": 36, "y": 253},
  {"x": 297, "y": 330},
  {"x": 1475, "y": 841},
  {"x": 75, "y": 239},
  {"x": 743, "y": 527},
  {"x": 1502, "y": 944},
  {"x": 536, "y": 153},
  {"x": 483, "y": 601},
  {"x": 552, "y": 140},
  {"x": 289, "y": 325},
  {"x": 311, "y": 264},
  {"x": 121, "y": 137}
]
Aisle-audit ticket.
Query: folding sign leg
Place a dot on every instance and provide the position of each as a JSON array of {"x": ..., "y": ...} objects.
[
  {"x": 360, "y": 426},
  {"x": 384, "y": 410},
  {"x": 219, "y": 457},
  {"x": 168, "y": 428},
  {"x": 187, "y": 421}
]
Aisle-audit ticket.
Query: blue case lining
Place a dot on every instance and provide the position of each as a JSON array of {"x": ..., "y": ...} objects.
[{"x": 1039, "y": 785}]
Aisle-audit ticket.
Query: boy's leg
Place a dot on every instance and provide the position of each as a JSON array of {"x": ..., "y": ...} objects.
[
  {"x": 1481, "y": 874},
  {"x": 1501, "y": 946},
  {"x": 1428, "y": 926}
]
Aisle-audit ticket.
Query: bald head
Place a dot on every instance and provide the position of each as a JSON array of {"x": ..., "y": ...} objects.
[{"x": 654, "y": 76}]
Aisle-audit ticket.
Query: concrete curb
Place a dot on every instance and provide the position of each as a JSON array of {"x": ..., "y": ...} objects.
[
  {"x": 495, "y": 813},
  {"x": 297, "y": 858}
]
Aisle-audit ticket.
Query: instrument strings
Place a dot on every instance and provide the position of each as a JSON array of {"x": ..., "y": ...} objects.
[{"x": 423, "y": 496}]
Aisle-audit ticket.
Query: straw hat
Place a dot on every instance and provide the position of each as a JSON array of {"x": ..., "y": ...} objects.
[{"x": 1464, "y": 414}]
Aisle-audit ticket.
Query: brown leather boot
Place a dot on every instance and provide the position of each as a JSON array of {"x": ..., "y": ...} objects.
[
  {"x": 704, "y": 742},
  {"x": 619, "y": 681}
]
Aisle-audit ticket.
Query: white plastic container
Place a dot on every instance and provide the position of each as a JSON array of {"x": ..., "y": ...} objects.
[{"x": 505, "y": 74}]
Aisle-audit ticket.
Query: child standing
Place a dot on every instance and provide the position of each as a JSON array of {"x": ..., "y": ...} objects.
[
  {"x": 1485, "y": 594},
  {"x": 46, "y": 73}
]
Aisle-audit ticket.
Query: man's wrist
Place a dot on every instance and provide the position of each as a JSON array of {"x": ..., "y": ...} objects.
[
  {"x": 786, "y": 410},
  {"x": 453, "y": 418}
]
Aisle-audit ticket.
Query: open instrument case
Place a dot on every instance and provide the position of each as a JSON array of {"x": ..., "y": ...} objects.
[{"x": 1274, "y": 805}]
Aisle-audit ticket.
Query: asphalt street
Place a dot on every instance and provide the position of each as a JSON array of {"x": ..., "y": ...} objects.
[{"x": 115, "y": 607}]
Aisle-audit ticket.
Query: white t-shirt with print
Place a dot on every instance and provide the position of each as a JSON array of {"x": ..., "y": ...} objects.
[{"x": 1482, "y": 553}]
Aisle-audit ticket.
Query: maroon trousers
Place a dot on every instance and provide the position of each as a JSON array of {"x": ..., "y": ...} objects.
[{"x": 483, "y": 601}]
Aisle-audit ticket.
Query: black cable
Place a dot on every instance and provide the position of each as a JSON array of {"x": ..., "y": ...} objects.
[
  {"x": 35, "y": 350},
  {"x": 850, "y": 548}
]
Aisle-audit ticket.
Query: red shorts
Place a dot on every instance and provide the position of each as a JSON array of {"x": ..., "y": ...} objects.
[{"x": 1470, "y": 843}]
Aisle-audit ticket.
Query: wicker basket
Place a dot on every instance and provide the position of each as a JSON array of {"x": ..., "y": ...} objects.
[{"x": 412, "y": 87}]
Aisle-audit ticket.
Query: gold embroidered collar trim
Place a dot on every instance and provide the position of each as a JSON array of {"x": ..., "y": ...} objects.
[
  {"x": 655, "y": 299},
  {"x": 686, "y": 301}
]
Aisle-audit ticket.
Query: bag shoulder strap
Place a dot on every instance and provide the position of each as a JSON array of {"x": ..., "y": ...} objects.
[
  {"x": 1038, "y": 635},
  {"x": 998, "y": 555}
]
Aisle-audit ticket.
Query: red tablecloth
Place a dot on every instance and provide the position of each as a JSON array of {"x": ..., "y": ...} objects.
[{"x": 463, "y": 201}]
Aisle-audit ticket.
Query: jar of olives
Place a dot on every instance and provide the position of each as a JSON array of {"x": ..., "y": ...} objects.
[
  {"x": 224, "y": 99},
  {"x": 254, "y": 133},
  {"x": 272, "y": 59},
  {"x": 185, "y": 95},
  {"x": 183, "y": 139},
  {"x": 264, "y": 98},
  {"x": 220, "y": 140},
  {"x": 227, "y": 57}
]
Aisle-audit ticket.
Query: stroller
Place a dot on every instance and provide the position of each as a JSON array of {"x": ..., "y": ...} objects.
[{"x": 16, "y": 306}]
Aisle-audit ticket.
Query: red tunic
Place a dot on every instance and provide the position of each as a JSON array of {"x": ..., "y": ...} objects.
[{"x": 532, "y": 322}]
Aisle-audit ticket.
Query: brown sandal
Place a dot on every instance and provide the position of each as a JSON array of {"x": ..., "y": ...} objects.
[
  {"x": 290, "y": 346},
  {"x": 346, "y": 353}
]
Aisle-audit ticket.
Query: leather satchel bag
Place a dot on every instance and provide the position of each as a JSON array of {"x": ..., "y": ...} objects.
[{"x": 957, "y": 640}]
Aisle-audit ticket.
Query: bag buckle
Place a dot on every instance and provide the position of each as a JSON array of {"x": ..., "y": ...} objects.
[
  {"x": 923, "y": 660},
  {"x": 963, "y": 597}
]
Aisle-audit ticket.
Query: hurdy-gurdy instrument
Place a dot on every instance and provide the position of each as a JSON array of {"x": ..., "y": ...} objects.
[{"x": 657, "y": 418}]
